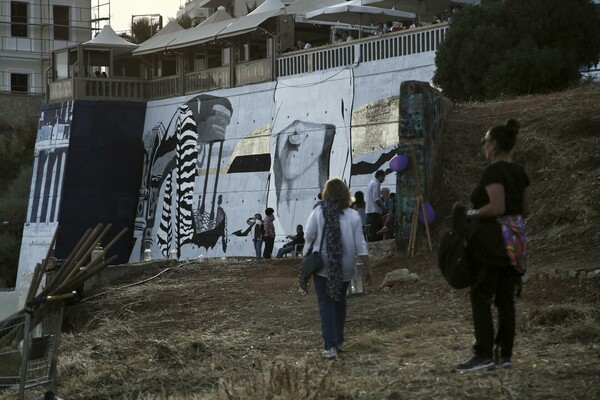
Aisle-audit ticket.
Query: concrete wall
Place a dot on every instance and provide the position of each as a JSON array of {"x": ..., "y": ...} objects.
[{"x": 269, "y": 145}]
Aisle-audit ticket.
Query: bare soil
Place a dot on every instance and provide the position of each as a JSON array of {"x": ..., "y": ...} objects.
[{"x": 239, "y": 329}]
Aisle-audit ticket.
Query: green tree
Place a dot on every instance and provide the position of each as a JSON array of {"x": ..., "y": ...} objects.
[
  {"x": 185, "y": 21},
  {"x": 143, "y": 29},
  {"x": 517, "y": 47}
]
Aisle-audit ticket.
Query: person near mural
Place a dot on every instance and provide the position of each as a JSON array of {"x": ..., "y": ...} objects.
[
  {"x": 389, "y": 219},
  {"x": 296, "y": 240},
  {"x": 358, "y": 205},
  {"x": 333, "y": 221},
  {"x": 374, "y": 208},
  {"x": 269, "y": 235},
  {"x": 258, "y": 230},
  {"x": 496, "y": 252}
]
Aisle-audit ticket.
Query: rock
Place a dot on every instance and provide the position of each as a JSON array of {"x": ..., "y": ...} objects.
[
  {"x": 400, "y": 275},
  {"x": 594, "y": 274}
]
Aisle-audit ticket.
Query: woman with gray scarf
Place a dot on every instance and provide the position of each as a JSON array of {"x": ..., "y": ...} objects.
[{"x": 344, "y": 241}]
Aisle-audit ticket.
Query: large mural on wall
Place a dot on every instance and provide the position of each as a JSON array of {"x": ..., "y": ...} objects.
[{"x": 212, "y": 161}]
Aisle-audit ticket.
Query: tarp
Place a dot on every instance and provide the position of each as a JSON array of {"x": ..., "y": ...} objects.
[
  {"x": 424, "y": 8},
  {"x": 353, "y": 12}
]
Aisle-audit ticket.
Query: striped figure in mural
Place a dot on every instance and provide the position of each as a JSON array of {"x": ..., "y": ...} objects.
[{"x": 179, "y": 156}]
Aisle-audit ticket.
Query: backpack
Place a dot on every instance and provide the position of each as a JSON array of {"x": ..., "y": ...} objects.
[{"x": 452, "y": 258}]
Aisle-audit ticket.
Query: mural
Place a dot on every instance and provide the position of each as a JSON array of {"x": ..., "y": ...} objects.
[
  {"x": 50, "y": 155},
  {"x": 310, "y": 141},
  {"x": 192, "y": 141}
]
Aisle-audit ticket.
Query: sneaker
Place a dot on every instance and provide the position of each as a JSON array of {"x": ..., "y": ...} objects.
[
  {"x": 503, "y": 362},
  {"x": 475, "y": 364},
  {"x": 330, "y": 353}
]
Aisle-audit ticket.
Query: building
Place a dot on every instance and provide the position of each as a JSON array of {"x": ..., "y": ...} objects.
[{"x": 30, "y": 30}]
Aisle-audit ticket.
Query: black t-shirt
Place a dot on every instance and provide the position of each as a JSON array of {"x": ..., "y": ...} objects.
[
  {"x": 510, "y": 175},
  {"x": 487, "y": 244}
]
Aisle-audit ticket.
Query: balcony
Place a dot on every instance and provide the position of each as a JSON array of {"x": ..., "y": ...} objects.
[{"x": 371, "y": 49}]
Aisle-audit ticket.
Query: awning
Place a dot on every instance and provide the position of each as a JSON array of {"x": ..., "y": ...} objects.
[
  {"x": 161, "y": 40},
  {"x": 251, "y": 22},
  {"x": 109, "y": 39}
]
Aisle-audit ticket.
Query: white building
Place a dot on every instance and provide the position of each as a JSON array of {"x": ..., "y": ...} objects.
[{"x": 29, "y": 31}]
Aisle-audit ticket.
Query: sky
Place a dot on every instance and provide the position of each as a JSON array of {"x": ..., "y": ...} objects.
[{"x": 122, "y": 10}]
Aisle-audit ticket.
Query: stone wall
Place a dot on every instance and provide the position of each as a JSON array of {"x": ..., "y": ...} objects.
[{"x": 20, "y": 110}]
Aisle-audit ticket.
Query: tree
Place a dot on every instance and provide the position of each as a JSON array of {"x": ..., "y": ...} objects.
[
  {"x": 517, "y": 47},
  {"x": 185, "y": 21},
  {"x": 143, "y": 29}
]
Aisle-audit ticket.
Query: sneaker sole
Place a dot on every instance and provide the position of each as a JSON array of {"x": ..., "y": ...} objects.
[{"x": 486, "y": 367}]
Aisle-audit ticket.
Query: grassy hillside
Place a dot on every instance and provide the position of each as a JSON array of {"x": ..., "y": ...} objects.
[{"x": 559, "y": 148}]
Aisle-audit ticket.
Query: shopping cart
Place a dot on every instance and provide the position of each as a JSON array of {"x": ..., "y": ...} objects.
[{"x": 29, "y": 347}]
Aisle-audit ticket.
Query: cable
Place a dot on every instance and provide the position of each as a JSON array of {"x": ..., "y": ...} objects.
[{"x": 135, "y": 283}]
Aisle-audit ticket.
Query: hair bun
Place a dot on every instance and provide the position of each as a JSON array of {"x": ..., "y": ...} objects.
[{"x": 513, "y": 126}]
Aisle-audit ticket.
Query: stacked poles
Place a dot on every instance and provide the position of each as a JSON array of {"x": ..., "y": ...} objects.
[{"x": 77, "y": 268}]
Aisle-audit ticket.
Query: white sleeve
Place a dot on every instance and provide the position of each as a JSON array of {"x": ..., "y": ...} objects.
[{"x": 312, "y": 227}]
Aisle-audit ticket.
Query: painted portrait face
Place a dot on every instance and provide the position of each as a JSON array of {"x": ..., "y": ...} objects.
[{"x": 299, "y": 146}]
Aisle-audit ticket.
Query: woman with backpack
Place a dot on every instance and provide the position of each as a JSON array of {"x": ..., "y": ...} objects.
[{"x": 496, "y": 251}]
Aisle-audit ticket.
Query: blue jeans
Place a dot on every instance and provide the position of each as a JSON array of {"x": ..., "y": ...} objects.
[
  {"x": 332, "y": 313},
  {"x": 258, "y": 248}
]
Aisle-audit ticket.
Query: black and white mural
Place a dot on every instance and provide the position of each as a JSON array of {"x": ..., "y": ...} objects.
[
  {"x": 213, "y": 161},
  {"x": 310, "y": 141},
  {"x": 185, "y": 152}
]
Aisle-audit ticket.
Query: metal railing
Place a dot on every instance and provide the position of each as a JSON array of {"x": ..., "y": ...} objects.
[{"x": 397, "y": 44}]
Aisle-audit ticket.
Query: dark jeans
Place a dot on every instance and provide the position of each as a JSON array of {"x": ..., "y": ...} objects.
[
  {"x": 269, "y": 242},
  {"x": 332, "y": 313},
  {"x": 258, "y": 247},
  {"x": 374, "y": 219},
  {"x": 495, "y": 285}
]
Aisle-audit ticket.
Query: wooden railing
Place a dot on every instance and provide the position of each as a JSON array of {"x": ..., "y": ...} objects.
[
  {"x": 202, "y": 81},
  {"x": 159, "y": 88},
  {"x": 254, "y": 72},
  {"x": 60, "y": 90},
  {"x": 110, "y": 89}
]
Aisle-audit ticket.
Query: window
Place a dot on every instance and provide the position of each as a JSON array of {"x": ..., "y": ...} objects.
[
  {"x": 19, "y": 83},
  {"x": 61, "y": 23},
  {"x": 18, "y": 19}
]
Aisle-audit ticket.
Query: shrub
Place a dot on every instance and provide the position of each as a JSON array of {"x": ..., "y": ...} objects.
[{"x": 517, "y": 47}]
